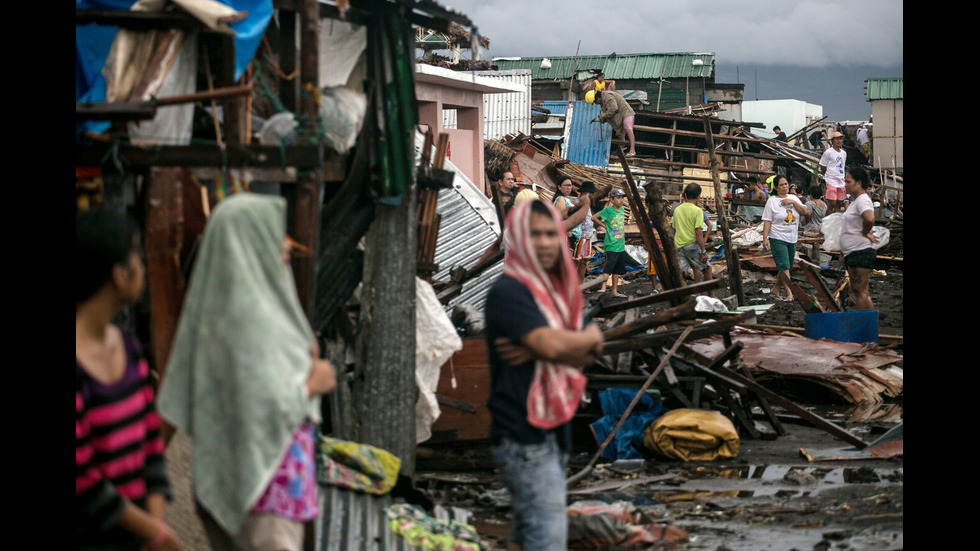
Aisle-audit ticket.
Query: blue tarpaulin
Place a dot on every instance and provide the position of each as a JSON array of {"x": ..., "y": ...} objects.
[
  {"x": 628, "y": 441},
  {"x": 92, "y": 43}
]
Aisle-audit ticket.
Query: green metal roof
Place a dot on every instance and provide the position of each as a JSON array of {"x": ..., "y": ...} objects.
[
  {"x": 623, "y": 66},
  {"x": 885, "y": 88}
]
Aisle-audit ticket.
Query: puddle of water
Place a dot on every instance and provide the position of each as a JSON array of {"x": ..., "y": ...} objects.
[{"x": 886, "y": 412}]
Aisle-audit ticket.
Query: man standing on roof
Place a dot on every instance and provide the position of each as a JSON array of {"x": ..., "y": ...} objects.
[
  {"x": 617, "y": 113},
  {"x": 536, "y": 338},
  {"x": 832, "y": 167}
]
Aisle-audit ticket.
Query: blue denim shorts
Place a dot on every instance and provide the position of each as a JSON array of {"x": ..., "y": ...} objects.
[
  {"x": 689, "y": 256},
  {"x": 534, "y": 474}
]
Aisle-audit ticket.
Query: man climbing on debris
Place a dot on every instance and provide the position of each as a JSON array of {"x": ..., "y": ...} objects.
[
  {"x": 832, "y": 167},
  {"x": 617, "y": 113},
  {"x": 535, "y": 337}
]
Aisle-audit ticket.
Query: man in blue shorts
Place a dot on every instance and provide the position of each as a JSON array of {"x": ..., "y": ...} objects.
[{"x": 535, "y": 328}]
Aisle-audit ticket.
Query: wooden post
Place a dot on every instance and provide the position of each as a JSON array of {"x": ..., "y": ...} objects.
[
  {"x": 304, "y": 196},
  {"x": 655, "y": 195},
  {"x": 731, "y": 255},
  {"x": 640, "y": 215}
]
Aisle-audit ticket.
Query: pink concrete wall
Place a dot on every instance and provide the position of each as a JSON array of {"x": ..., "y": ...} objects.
[{"x": 466, "y": 141}]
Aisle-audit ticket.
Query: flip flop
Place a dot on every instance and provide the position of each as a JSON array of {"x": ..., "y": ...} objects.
[
  {"x": 631, "y": 156},
  {"x": 618, "y": 295}
]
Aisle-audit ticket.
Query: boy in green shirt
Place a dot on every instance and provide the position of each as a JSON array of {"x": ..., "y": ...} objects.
[{"x": 614, "y": 219}]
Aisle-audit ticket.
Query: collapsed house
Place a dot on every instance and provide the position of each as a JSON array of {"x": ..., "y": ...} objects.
[{"x": 199, "y": 105}]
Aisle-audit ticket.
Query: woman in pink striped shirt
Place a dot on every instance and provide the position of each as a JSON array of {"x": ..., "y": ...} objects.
[{"x": 121, "y": 487}]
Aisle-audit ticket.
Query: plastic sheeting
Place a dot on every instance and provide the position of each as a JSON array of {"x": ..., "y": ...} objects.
[
  {"x": 628, "y": 442},
  {"x": 92, "y": 42},
  {"x": 435, "y": 342}
]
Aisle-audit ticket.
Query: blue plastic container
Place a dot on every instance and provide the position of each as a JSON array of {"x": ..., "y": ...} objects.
[{"x": 853, "y": 326}]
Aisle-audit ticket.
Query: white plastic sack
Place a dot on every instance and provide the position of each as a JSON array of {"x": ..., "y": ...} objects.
[
  {"x": 883, "y": 235},
  {"x": 435, "y": 342},
  {"x": 343, "y": 111},
  {"x": 279, "y": 129},
  {"x": 709, "y": 304},
  {"x": 638, "y": 253},
  {"x": 830, "y": 228},
  {"x": 749, "y": 237}
]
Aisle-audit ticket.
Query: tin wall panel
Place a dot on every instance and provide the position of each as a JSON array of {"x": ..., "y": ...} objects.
[
  {"x": 503, "y": 113},
  {"x": 588, "y": 142},
  {"x": 510, "y": 112}
]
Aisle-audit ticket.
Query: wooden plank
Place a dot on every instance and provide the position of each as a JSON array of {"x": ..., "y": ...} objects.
[
  {"x": 624, "y": 362},
  {"x": 764, "y": 404},
  {"x": 636, "y": 398},
  {"x": 812, "y": 272},
  {"x": 661, "y": 339},
  {"x": 471, "y": 368},
  {"x": 809, "y": 305}
]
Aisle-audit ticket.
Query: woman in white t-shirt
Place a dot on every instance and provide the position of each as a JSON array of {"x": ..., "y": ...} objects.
[
  {"x": 780, "y": 228},
  {"x": 857, "y": 237}
]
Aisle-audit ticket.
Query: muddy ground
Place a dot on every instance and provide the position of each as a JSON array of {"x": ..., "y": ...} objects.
[{"x": 769, "y": 497}]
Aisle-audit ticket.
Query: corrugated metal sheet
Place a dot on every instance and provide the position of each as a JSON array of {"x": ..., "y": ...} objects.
[
  {"x": 588, "y": 142},
  {"x": 464, "y": 235},
  {"x": 505, "y": 113},
  {"x": 645, "y": 66},
  {"x": 561, "y": 67},
  {"x": 627, "y": 66},
  {"x": 354, "y": 521},
  {"x": 556, "y": 107},
  {"x": 885, "y": 88}
]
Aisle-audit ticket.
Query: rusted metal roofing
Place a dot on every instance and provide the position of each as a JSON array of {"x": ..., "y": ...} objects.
[
  {"x": 624, "y": 66},
  {"x": 885, "y": 88}
]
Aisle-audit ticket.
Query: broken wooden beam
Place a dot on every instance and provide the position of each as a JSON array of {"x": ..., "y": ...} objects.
[
  {"x": 731, "y": 254},
  {"x": 655, "y": 340},
  {"x": 806, "y": 414},
  {"x": 812, "y": 272},
  {"x": 670, "y": 315}
]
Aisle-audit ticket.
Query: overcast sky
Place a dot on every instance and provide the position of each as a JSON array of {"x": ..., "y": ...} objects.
[{"x": 818, "y": 52}]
